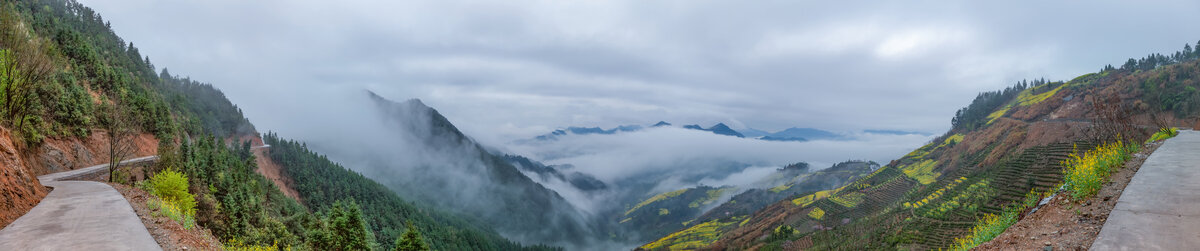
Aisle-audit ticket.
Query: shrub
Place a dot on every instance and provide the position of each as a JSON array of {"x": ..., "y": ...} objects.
[
  {"x": 1163, "y": 133},
  {"x": 1085, "y": 174},
  {"x": 236, "y": 245},
  {"x": 991, "y": 225},
  {"x": 172, "y": 211},
  {"x": 172, "y": 187}
]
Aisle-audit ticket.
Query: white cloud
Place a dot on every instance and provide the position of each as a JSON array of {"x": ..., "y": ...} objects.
[
  {"x": 654, "y": 151},
  {"x": 920, "y": 41}
]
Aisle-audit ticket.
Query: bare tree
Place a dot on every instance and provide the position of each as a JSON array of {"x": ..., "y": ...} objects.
[
  {"x": 1113, "y": 120},
  {"x": 121, "y": 130},
  {"x": 1162, "y": 121}
]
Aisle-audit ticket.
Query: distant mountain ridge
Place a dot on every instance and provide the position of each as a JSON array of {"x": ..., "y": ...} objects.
[
  {"x": 790, "y": 134},
  {"x": 581, "y": 181},
  {"x": 589, "y": 130},
  {"x": 802, "y": 134},
  {"x": 719, "y": 129}
]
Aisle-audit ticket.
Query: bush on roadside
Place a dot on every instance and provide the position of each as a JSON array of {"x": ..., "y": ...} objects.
[
  {"x": 1163, "y": 133},
  {"x": 172, "y": 187},
  {"x": 990, "y": 226},
  {"x": 172, "y": 211},
  {"x": 1086, "y": 173}
]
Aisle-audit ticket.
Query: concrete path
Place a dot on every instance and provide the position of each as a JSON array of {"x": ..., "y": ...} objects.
[
  {"x": 1160, "y": 209},
  {"x": 79, "y": 215}
]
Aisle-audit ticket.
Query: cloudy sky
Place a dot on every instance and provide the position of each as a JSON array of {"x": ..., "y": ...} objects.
[{"x": 503, "y": 70}]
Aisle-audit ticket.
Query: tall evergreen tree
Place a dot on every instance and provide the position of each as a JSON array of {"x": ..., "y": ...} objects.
[
  {"x": 342, "y": 229},
  {"x": 411, "y": 240}
]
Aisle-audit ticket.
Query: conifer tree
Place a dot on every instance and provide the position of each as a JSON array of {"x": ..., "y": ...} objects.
[{"x": 411, "y": 240}]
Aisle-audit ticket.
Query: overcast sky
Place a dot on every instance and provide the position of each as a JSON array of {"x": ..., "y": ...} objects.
[{"x": 503, "y": 70}]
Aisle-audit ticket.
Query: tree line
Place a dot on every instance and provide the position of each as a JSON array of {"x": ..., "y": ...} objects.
[{"x": 322, "y": 183}]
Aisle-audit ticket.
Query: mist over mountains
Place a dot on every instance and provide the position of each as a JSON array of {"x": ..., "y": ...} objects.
[
  {"x": 639, "y": 164},
  {"x": 419, "y": 154},
  {"x": 574, "y": 188}
]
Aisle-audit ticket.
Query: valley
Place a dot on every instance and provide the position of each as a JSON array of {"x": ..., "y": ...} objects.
[{"x": 526, "y": 126}]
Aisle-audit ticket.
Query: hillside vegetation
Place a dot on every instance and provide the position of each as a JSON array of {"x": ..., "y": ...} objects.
[
  {"x": 1005, "y": 150},
  {"x": 64, "y": 74},
  {"x": 323, "y": 183},
  {"x": 696, "y": 215}
]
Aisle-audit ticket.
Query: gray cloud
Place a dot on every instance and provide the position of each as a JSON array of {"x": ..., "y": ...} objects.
[
  {"x": 613, "y": 158},
  {"x": 512, "y": 69},
  {"x": 509, "y": 70}
]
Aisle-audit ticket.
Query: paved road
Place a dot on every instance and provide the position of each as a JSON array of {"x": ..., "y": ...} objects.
[
  {"x": 1160, "y": 209},
  {"x": 79, "y": 215}
]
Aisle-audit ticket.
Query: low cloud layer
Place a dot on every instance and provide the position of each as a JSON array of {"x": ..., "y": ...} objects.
[
  {"x": 622, "y": 155},
  {"x": 662, "y": 159}
]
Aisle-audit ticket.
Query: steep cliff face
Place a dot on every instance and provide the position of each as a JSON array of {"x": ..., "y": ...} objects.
[{"x": 19, "y": 187}]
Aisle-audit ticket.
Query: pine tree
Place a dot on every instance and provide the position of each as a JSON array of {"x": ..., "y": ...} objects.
[
  {"x": 342, "y": 229},
  {"x": 411, "y": 240}
]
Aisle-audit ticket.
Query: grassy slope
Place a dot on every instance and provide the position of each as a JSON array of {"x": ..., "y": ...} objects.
[{"x": 931, "y": 196}]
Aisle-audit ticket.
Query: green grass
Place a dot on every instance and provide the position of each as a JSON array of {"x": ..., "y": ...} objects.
[
  {"x": 711, "y": 196},
  {"x": 935, "y": 194},
  {"x": 698, "y": 236},
  {"x": 661, "y": 196},
  {"x": 236, "y": 245},
  {"x": 780, "y": 188},
  {"x": 922, "y": 171},
  {"x": 997, "y": 114},
  {"x": 850, "y": 200},
  {"x": 817, "y": 213},
  {"x": 160, "y": 207},
  {"x": 1162, "y": 134},
  {"x": 172, "y": 186},
  {"x": 803, "y": 201},
  {"x": 966, "y": 198},
  {"x": 953, "y": 139},
  {"x": 991, "y": 225},
  {"x": 920, "y": 152},
  {"x": 1027, "y": 98}
]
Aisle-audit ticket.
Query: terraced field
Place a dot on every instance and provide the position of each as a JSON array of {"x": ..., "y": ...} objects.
[
  {"x": 1039, "y": 168},
  {"x": 892, "y": 208}
]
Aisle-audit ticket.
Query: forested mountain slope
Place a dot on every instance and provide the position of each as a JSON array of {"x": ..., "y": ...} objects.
[
  {"x": 66, "y": 76},
  {"x": 1004, "y": 148},
  {"x": 322, "y": 183},
  {"x": 440, "y": 166}
]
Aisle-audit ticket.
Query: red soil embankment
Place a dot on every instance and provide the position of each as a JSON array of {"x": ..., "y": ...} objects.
[
  {"x": 20, "y": 165},
  {"x": 63, "y": 154},
  {"x": 19, "y": 188}
]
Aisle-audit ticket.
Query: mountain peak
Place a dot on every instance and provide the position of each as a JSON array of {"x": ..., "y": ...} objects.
[
  {"x": 413, "y": 102},
  {"x": 722, "y": 129}
]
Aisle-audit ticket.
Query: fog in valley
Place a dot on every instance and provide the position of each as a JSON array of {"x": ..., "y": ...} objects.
[{"x": 440, "y": 100}]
